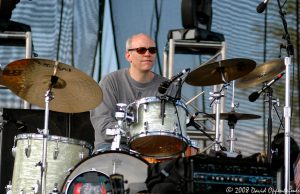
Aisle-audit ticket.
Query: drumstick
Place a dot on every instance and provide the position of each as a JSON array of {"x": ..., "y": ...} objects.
[{"x": 191, "y": 100}]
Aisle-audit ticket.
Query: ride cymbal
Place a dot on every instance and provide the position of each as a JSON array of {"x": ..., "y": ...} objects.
[
  {"x": 73, "y": 91},
  {"x": 233, "y": 115},
  {"x": 261, "y": 73},
  {"x": 220, "y": 72}
]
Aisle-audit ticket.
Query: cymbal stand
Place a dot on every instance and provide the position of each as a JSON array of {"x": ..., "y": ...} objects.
[
  {"x": 117, "y": 180},
  {"x": 215, "y": 97},
  {"x": 231, "y": 123},
  {"x": 48, "y": 98},
  {"x": 120, "y": 116},
  {"x": 287, "y": 108},
  {"x": 233, "y": 104}
]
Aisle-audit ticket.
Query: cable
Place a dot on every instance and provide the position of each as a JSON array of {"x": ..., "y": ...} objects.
[
  {"x": 101, "y": 18},
  {"x": 114, "y": 34},
  {"x": 179, "y": 123},
  {"x": 181, "y": 83},
  {"x": 264, "y": 60},
  {"x": 59, "y": 32},
  {"x": 157, "y": 15},
  {"x": 297, "y": 48}
]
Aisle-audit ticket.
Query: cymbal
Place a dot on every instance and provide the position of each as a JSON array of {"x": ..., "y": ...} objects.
[
  {"x": 233, "y": 115},
  {"x": 73, "y": 92},
  {"x": 261, "y": 73},
  {"x": 211, "y": 73}
]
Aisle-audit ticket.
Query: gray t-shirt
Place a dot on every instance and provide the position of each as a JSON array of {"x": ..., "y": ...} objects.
[{"x": 119, "y": 87}]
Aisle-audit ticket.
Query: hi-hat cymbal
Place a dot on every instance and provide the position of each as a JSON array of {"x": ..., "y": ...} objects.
[
  {"x": 220, "y": 71},
  {"x": 233, "y": 116},
  {"x": 261, "y": 73},
  {"x": 73, "y": 92}
]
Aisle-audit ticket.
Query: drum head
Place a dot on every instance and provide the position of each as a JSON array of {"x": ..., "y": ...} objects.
[
  {"x": 98, "y": 168},
  {"x": 89, "y": 182},
  {"x": 156, "y": 145}
]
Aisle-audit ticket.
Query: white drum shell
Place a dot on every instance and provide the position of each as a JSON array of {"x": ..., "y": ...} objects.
[
  {"x": 148, "y": 122},
  {"x": 27, "y": 174}
]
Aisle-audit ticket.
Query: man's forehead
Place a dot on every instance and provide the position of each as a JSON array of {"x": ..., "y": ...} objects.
[{"x": 142, "y": 41}]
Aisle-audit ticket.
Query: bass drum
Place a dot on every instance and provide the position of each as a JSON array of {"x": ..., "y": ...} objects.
[{"x": 92, "y": 175}]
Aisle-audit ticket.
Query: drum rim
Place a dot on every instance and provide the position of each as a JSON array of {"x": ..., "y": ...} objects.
[
  {"x": 194, "y": 143},
  {"x": 53, "y": 138},
  {"x": 135, "y": 155},
  {"x": 184, "y": 140},
  {"x": 160, "y": 133},
  {"x": 155, "y": 99}
]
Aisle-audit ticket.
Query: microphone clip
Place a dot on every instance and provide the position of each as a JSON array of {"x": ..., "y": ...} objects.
[
  {"x": 178, "y": 84},
  {"x": 164, "y": 86}
]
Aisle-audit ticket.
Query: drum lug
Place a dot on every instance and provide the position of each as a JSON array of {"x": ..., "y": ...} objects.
[
  {"x": 13, "y": 151},
  {"x": 146, "y": 125},
  {"x": 8, "y": 188},
  {"x": 22, "y": 192},
  {"x": 28, "y": 151},
  {"x": 55, "y": 189},
  {"x": 68, "y": 171},
  {"x": 145, "y": 107},
  {"x": 37, "y": 188},
  {"x": 175, "y": 127},
  {"x": 81, "y": 155},
  {"x": 56, "y": 151}
]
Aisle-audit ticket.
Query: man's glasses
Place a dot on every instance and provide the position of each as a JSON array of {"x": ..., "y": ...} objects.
[{"x": 143, "y": 50}]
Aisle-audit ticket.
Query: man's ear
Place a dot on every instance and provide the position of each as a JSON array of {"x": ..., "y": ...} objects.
[{"x": 127, "y": 56}]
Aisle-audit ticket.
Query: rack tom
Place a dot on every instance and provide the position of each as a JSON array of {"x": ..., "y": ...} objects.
[{"x": 152, "y": 135}]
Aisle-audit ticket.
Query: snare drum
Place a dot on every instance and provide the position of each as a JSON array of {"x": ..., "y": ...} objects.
[
  {"x": 154, "y": 136},
  {"x": 92, "y": 175},
  {"x": 62, "y": 155}
]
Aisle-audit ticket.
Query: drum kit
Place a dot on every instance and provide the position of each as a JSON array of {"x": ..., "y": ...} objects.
[{"x": 52, "y": 164}]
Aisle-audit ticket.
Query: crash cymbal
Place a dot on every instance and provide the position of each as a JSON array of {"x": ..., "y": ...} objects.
[
  {"x": 233, "y": 115},
  {"x": 212, "y": 73},
  {"x": 73, "y": 92},
  {"x": 261, "y": 73}
]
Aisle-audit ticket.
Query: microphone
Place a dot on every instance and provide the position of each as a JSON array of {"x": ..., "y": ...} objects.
[
  {"x": 178, "y": 85},
  {"x": 262, "y": 6},
  {"x": 166, "y": 84},
  {"x": 255, "y": 95},
  {"x": 163, "y": 87}
]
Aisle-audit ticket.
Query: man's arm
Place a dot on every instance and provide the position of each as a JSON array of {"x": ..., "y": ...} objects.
[{"x": 103, "y": 116}]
